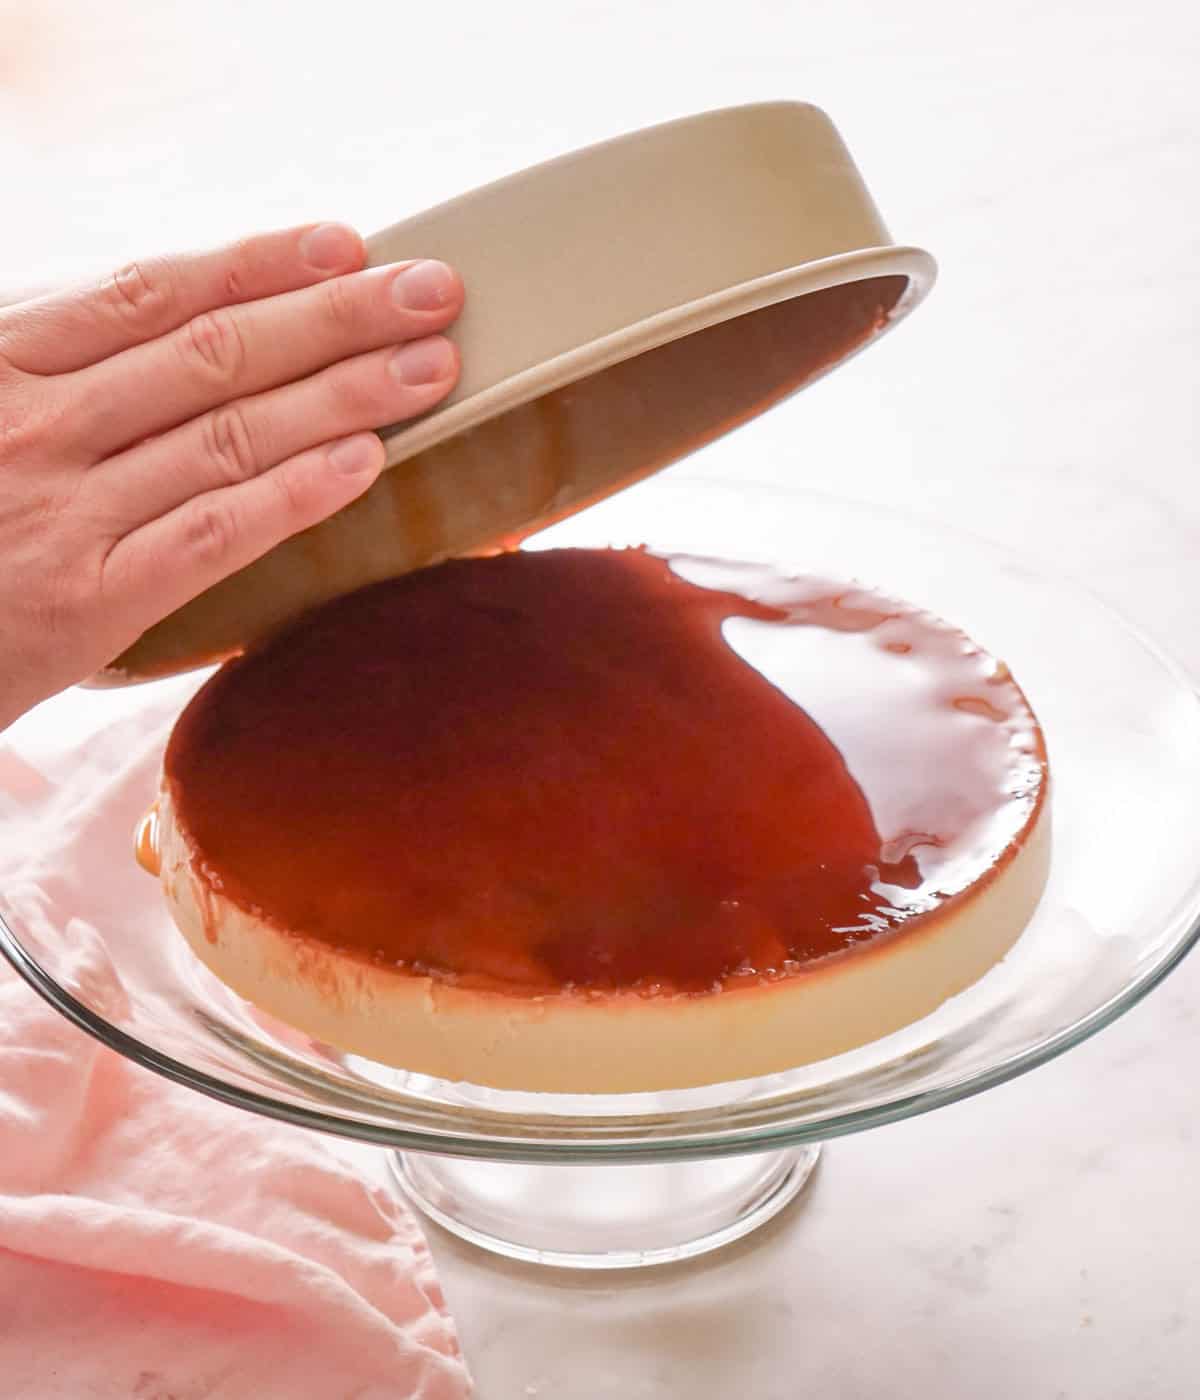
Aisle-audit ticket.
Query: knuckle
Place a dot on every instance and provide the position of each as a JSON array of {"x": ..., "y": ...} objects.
[
  {"x": 236, "y": 279},
  {"x": 358, "y": 395},
  {"x": 291, "y": 499},
  {"x": 18, "y": 432},
  {"x": 210, "y": 532},
  {"x": 212, "y": 345},
  {"x": 341, "y": 303},
  {"x": 141, "y": 292},
  {"x": 229, "y": 444},
  {"x": 30, "y": 424}
]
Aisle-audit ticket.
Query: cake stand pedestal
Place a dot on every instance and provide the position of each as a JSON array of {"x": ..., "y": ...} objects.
[{"x": 613, "y": 1217}]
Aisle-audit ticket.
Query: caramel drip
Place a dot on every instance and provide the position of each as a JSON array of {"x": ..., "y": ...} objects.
[{"x": 145, "y": 842}]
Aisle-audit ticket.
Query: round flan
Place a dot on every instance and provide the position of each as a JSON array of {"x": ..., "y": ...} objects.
[{"x": 599, "y": 821}]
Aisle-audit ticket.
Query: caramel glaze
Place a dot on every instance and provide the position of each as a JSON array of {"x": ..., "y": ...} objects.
[{"x": 562, "y": 767}]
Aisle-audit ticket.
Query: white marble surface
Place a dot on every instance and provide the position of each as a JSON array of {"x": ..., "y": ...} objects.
[{"x": 1042, "y": 1241}]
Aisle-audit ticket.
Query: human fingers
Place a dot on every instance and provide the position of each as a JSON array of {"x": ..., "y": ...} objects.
[
  {"x": 74, "y": 328},
  {"x": 163, "y": 565},
  {"x": 237, "y": 351},
  {"x": 240, "y": 440}
]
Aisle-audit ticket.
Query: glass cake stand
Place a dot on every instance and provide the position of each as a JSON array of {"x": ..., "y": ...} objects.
[{"x": 619, "y": 1181}]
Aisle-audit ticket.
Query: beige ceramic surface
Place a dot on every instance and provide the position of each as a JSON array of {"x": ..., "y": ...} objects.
[{"x": 626, "y": 304}]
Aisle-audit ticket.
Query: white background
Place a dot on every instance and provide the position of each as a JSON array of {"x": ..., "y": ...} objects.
[{"x": 1043, "y": 1241}]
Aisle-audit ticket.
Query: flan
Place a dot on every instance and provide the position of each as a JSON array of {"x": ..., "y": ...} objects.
[{"x": 604, "y": 821}]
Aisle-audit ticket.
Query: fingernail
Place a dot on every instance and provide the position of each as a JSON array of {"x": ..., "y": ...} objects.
[
  {"x": 329, "y": 247},
  {"x": 425, "y": 286},
  {"x": 423, "y": 361},
  {"x": 355, "y": 455}
]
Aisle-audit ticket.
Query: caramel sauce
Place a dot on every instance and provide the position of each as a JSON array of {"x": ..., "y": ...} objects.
[{"x": 593, "y": 768}]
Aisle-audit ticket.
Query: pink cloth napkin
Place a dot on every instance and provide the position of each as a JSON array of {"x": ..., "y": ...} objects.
[{"x": 154, "y": 1244}]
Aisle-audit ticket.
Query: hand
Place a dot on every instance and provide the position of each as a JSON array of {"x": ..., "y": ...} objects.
[{"x": 167, "y": 427}]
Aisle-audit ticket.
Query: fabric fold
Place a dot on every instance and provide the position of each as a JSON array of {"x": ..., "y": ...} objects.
[{"x": 156, "y": 1244}]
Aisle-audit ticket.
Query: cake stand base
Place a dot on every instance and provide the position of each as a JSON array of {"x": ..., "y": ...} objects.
[{"x": 604, "y": 1217}]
